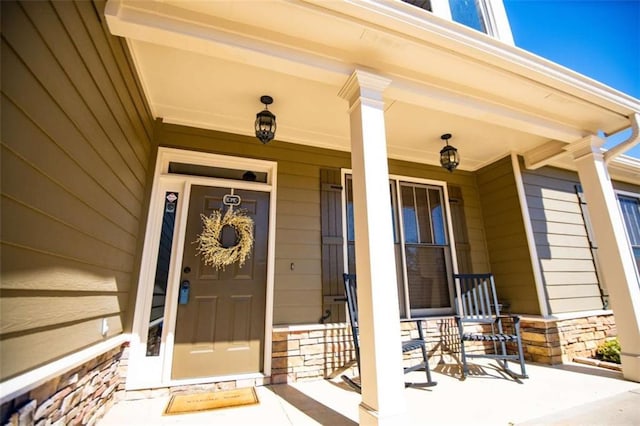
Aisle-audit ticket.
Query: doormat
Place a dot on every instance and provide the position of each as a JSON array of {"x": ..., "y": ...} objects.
[{"x": 191, "y": 403}]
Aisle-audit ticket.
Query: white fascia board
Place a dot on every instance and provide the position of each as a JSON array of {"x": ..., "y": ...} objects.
[
  {"x": 172, "y": 26},
  {"x": 163, "y": 25},
  {"x": 467, "y": 106},
  {"x": 156, "y": 26},
  {"x": 627, "y": 167},
  {"x": 625, "y": 161},
  {"x": 176, "y": 27},
  {"x": 410, "y": 21},
  {"x": 622, "y": 168}
]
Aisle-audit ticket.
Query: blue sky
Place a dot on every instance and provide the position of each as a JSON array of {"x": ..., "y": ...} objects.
[{"x": 597, "y": 38}]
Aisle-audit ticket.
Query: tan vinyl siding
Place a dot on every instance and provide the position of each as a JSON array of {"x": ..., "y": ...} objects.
[
  {"x": 43, "y": 347},
  {"x": 75, "y": 150},
  {"x": 298, "y": 291},
  {"x": 298, "y": 295},
  {"x": 562, "y": 243},
  {"x": 506, "y": 237}
]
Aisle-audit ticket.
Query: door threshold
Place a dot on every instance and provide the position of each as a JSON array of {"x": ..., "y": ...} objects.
[{"x": 241, "y": 380}]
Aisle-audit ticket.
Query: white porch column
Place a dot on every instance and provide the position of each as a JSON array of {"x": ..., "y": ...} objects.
[
  {"x": 617, "y": 271},
  {"x": 382, "y": 378}
]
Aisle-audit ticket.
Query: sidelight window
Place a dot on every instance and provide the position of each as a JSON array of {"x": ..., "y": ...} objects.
[{"x": 159, "y": 300}]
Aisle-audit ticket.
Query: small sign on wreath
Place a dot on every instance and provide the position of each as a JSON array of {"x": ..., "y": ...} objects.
[{"x": 209, "y": 245}]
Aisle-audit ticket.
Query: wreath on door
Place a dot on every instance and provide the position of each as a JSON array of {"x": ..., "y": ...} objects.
[{"x": 209, "y": 244}]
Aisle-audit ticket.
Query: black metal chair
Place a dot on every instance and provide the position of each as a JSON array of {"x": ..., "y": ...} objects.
[
  {"x": 407, "y": 345},
  {"x": 478, "y": 308}
]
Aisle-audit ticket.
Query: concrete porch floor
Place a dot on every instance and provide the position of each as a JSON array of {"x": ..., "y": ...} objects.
[{"x": 570, "y": 394}]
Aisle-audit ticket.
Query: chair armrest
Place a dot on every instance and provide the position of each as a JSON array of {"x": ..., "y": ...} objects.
[
  {"x": 419, "y": 328},
  {"x": 458, "y": 319},
  {"x": 512, "y": 317}
]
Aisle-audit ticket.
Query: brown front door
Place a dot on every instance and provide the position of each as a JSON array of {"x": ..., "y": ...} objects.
[{"x": 220, "y": 328}]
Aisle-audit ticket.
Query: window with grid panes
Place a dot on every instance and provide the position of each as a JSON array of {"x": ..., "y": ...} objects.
[{"x": 422, "y": 248}]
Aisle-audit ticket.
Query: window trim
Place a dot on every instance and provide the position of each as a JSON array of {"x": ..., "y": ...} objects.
[
  {"x": 450, "y": 255},
  {"x": 636, "y": 196},
  {"x": 492, "y": 13}
]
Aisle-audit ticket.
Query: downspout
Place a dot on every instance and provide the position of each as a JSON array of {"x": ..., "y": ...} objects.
[{"x": 633, "y": 140}]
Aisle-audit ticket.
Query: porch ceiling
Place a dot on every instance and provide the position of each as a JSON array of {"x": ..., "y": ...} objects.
[{"x": 206, "y": 64}]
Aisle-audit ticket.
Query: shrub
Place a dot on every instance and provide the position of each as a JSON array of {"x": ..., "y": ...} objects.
[{"x": 609, "y": 351}]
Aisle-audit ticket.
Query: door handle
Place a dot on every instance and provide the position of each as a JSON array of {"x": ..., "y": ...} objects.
[{"x": 183, "y": 298}]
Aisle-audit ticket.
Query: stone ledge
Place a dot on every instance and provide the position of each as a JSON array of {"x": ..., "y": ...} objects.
[
  {"x": 598, "y": 363},
  {"x": 308, "y": 327},
  {"x": 566, "y": 316}
]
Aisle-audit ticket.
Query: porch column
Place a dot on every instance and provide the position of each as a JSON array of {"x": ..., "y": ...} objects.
[
  {"x": 614, "y": 253},
  {"x": 382, "y": 378}
]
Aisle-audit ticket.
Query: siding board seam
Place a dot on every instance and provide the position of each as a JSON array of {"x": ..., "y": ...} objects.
[
  {"x": 61, "y": 256},
  {"x": 81, "y": 57},
  {"x": 145, "y": 152},
  {"x": 71, "y": 158},
  {"x": 88, "y": 141},
  {"x": 109, "y": 105},
  {"x": 68, "y": 225},
  {"x": 14, "y": 292},
  {"x": 57, "y": 326},
  {"x": 65, "y": 189},
  {"x": 139, "y": 100}
]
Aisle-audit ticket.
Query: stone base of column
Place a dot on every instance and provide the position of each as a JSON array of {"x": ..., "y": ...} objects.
[
  {"x": 371, "y": 417},
  {"x": 630, "y": 366}
]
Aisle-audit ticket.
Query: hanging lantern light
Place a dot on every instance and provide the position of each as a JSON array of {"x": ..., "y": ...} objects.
[
  {"x": 265, "y": 121},
  {"x": 449, "y": 158}
]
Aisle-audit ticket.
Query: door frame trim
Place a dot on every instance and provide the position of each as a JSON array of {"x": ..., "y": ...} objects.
[{"x": 151, "y": 372}]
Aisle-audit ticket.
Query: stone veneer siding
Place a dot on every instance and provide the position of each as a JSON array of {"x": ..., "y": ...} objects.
[
  {"x": 326, "y": 351},
  {"x": 556, "y": 341},
  {"x": 85, "y": 393},
  {"x": 309, "y": 352},
  {"x": 78, "y": 397}
]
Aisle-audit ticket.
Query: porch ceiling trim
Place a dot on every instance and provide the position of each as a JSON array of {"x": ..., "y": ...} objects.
[
  {"x": 407, "y": 20},
  {"x": 174, "y": 27},
  {"x": 558, "y": 154},
  {"x": 472, "y": 107},
  {"x": 198, "y": 28},
  {"x": 544, "y": 154},
  {"x": 177, "y": 27}
]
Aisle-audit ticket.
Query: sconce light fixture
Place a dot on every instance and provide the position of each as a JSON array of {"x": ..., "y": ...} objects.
[
  {"x": 449, "y": 158},
  {"x": 265, "y": 121}
]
